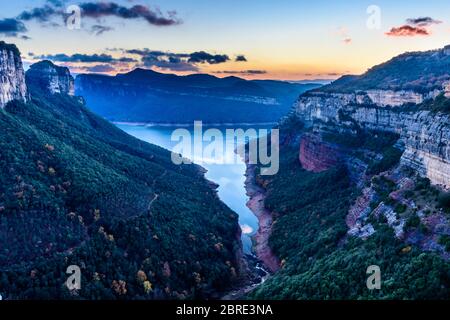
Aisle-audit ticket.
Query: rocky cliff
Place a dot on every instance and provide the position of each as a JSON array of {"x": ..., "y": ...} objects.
[
  {"x": 317, "y": 155},
  {"x": 426, "y": 134},
  {"x": 12, "y": 77},
  {"x": 51, "y": 78},
  {"x": 389, "y": 97}
]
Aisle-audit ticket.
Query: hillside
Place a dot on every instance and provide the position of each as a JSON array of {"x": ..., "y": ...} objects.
[
  {"x": 75, "y": 190},
  {"x": 152, "y": 97},
  {"x": 412, "y": 71},
  {"x": 364, "y": 181}
]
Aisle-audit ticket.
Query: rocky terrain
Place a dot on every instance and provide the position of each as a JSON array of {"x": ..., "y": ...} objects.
[
  {"x": 52, "y": 78},
  {"x": 12, "y": 76},
  {"x": 424, "y": 141}
]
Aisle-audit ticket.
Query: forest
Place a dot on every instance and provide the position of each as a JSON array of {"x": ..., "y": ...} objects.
[
  {"x": 75, "y": 190},
  {"x": 319, "y": 259}
]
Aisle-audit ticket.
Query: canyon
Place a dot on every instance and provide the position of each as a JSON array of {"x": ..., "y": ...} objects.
[{"x": 425, "y": 134}]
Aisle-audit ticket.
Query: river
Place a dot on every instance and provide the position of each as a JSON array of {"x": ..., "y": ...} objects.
[{"x": 229, "y": 177}]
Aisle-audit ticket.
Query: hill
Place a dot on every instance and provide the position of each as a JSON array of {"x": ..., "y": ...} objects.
[
  {"x": 75, "y": 190},
  {"x": 152, "y": 97}
]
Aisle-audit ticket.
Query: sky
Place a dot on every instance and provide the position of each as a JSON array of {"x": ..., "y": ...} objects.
[{"x": 254, "y": 39}]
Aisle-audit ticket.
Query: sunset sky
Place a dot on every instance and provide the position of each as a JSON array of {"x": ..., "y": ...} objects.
[{"x": 265, "y": 39}]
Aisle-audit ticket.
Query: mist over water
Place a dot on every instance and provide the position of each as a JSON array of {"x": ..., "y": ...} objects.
[{"x": 229, "y": 177}]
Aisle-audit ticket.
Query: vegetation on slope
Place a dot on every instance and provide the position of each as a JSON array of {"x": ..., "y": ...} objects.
[
  {"x": 75, "y": 190},
  {"x": 320, "y": 261},
  {"x": 416, "y": 71}
]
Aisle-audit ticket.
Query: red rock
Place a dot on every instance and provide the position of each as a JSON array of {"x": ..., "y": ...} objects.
[{"x": 317, "y": 155}]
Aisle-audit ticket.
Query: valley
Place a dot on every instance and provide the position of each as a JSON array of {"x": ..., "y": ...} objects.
[{"x": 363, "y": 180}]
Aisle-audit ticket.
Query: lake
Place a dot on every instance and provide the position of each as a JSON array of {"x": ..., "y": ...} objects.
[{"x": 229, "y": 177}]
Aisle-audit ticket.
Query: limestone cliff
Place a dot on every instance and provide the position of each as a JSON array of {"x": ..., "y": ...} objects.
[
  {"x": 426, "y": 135},
  {"x": 317, "y": 155},
  {"x": 51, "y": 78},
  {"x": 12, "y": 77}
]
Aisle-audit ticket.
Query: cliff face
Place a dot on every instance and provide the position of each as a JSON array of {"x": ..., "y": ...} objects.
[
  {"x": 12, "y": 77},
  {"x": 317, "y": 155},
  {"x": 51, "y": 78},
  {"x": 426, "y": 135},
  {"x": 152, "y": 97}
]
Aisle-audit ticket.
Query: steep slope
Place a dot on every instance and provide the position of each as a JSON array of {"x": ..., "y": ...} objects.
[
  {"x": 148, "y": 96},
  {"x": 12, "y": 80},
  {"x": 75, "y": 190},
  {"x": 48, "y": 77},
  {"x": 364, "y": 178}
]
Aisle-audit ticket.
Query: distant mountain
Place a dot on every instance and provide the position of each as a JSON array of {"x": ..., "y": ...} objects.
[
  {"x": 75, "y": 190},
  {"x": 420, "y": 72},
  {"x": 148, "y": 96}
]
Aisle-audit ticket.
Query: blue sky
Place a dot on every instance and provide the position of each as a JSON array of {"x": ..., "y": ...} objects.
[{"x": 285, "y": 39}]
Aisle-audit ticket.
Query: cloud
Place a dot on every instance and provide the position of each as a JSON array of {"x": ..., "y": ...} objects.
[
  {"x": 414, "y": 27},
  {"x": 177, "y": 61},
  {"x": 347, "y": 40},
  {"x": 104, "y": 9},
  {"x": 422, "y": 21},
  {"x": 98, "y": 29},
  {"x": 204, "y": 57},
  {"x": 41, "y": 14},
  {"x": 100, "y": 68},
  {"x": 241, "y": 58},
  {"x": 242, "y": 72},
  {"x": 408, "y": 31},
  {"x": 87, "y": 58},
  {"x": 12, "y": 27},
  {"x": 96, "y": 10},
  {"x": 343, "y": 33},
  {"x": 171, "y": 65}
]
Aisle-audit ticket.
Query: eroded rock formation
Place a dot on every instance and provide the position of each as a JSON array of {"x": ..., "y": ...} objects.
[
  {"x": 51, "y": 78},
  {"x": 12, "y": 76}
]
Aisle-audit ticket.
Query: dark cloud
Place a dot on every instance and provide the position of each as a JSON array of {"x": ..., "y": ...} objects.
[
  {"x": 243, "y": 72},
  {"x": 104, "y": 9},
  {"x": 87, "y": 58},
  {"x": 57, "y": 3},
  {"x": 408, "y": 31},
  {"x": 204, "y": 57},
  {"x": 12, "y": 27},
  {"x": 414, "y": 27},
  {"x": 241, "y": 58},
  {"x": 98, "y": 29},
  {"x": 100, "y": 68},
  {"x": 95, "y": 10},
  {"x": 171, "y": 64},
  {"x": 176, "y": 61},
  {"x": 41, "y": 14},
  {"x": 422, "y": 21}
]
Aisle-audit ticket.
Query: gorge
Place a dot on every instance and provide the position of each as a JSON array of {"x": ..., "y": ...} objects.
[{"x": 364, "y": 180}]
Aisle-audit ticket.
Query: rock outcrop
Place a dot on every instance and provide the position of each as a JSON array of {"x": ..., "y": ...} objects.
[
  {"x": 426, "y": 135},
  {"x": 51, "y": 78},
  {"x": 12, "y": 76},
  {"x": 317, "y": 155}
]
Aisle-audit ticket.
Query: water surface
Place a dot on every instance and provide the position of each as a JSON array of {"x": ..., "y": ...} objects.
[{"x": 229, "y": 177}]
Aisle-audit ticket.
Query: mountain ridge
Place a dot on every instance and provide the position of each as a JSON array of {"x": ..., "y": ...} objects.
[
  {"x": 147, "y": 96},
  {"x": 76, "y": 190}
]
